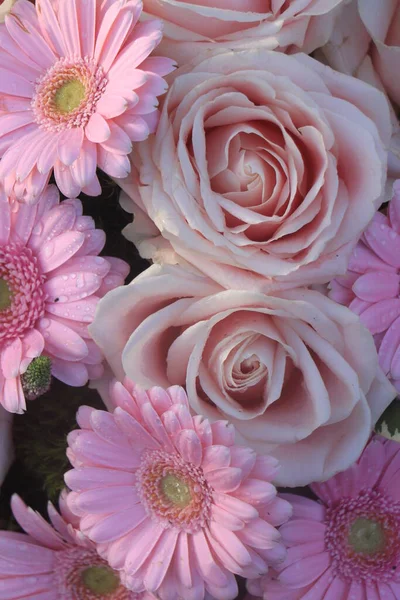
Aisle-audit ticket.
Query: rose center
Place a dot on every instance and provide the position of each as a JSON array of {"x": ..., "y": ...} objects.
[
  {"x": 5, "y": 295},
  {"x": 176, "y": 490},
  {"x": 249, "y": 365},
  {"x": 366, "y": 536},
  {"x": 100, "y": 580},
  {"x": 69, "y": 96}
]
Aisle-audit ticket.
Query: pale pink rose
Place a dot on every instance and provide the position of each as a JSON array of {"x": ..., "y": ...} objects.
[
  {"x": 264, "y": 170},
  {"x": 296, "y": 373},
  {"x": 195, "y": 25},
  {"x": 353, "y": 51},
  {"x": 5, "y": 7},
  {"x": 6, "y": 443},
  {"x": 382, "y": 21}
]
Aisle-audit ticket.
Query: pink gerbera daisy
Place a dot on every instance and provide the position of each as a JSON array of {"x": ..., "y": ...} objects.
[
  {"x": 169, "y": 499},
  {"x": 51, "y": 279},
  {"x": 346, "y": 547},
  {"x": 371, "y": 287},
  {"x": 55, "y": 563},
  {"x": 76, "y": 89}
]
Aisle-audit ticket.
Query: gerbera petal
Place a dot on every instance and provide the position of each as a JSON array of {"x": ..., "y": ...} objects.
[
  {"x": 32, "y": 44},
  {"x": 10, "y": 359},
  {"x": 57, "y": 251},
  {"x": 112, "y": 33},
  {"x": 80, "y": 310},
  {"x": 231, "y": 543},
  {"x": 385, "y": 242},
  {"x": 113, "y": 164},
  {"x": 100, "y": 454},
  {"x": 69, "y": 145},
  {"x": 68, "y": 19},
  {"x": 299, "y": 530},
  {"x": 5, "y": 219},
  {"x": 13, "y": 397},
  {"x": 65, "y": 180},
  {"x": 117, "y": 525},
  {"x": 84, "y": 167},
  {"x": 93, "y": 188},
  {"x": 389, "y": 345},
  {"x": 86, "y": 14},
  {"x": 259, "y": 534},
  {"x": 62, "y": 288},
  {"x": 118, "y": 142},
  {"x": 10, "y": 122},
  {"x": 50, "y": 27},
  {"x": 70, "y": 373},
  {"x": 225, "y": 480},
  {"x": 103, "y": 423},
  {"x": 35, "y": 525},
  {"x": 62, "y": 342},
  {"x": 210, "y": 571},
  {"x": 161, "y": 558},
  {"x": 15, "y": 85},
  {"x": 95, "y": 477},
  {"x": 111, "y": 105},
  {"x": 189, "y": 446},
  {"x": 306, "y": 570},
  {"x": 376, "y": 286},
  {"x": 380, "y": 316},
  {"x": 105, "y": 500},
  {"x": 158, "y": 64},
  {"x": 149, "y": 532},
  {"x": 255, "y": 491},
  {"x": 134, "y": 430},
  {"x": 37, "y": 587},
  {"x": 134, "y": 126},
  {"x": 47, "y": 156},
  {"x": 146, "y": 37},
  {"x": 34, "y": 145},
  {"x": 97, "y": 129}
]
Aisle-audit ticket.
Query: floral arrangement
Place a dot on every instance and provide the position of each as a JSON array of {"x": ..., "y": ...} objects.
[{"x": 199, "y": 300}]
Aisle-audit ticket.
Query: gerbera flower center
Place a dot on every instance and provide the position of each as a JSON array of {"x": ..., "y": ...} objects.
[
  {"x": 174, "y": 491},
  {"x": 80, "y": 574},
  {"x": 5, "y": 295},
  {"x": 67, "y": 95},
  {"x": 100, "y": 580},
  {"x": 37, "y": 378},
  {"x": 366, "y": 536},
  {"x": 22, "y": 299},
  {"x": 363, "y": 537}
]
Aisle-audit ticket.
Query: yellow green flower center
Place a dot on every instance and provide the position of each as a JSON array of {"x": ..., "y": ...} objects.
[
  {"x": 100, "y": 580},
  {"x": 5, "y": 295},
  {"x": 69, "y": 96},
  {"x": 176, "y": 490},
  {"x": 366, "y": 536}
]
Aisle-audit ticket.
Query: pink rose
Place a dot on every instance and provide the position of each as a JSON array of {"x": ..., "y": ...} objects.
[
  {"x": 296, "y": 373},
  {"x": 5, "y": 7},
  {"x": 365, "y": 43},
  {"x": 382, "y": 21},
  {"x": 195, "y": 25},
  {"x": 264, "y": 170}
]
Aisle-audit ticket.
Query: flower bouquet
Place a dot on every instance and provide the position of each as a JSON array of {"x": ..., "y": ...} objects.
[{"x": 199, "y": 300}]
